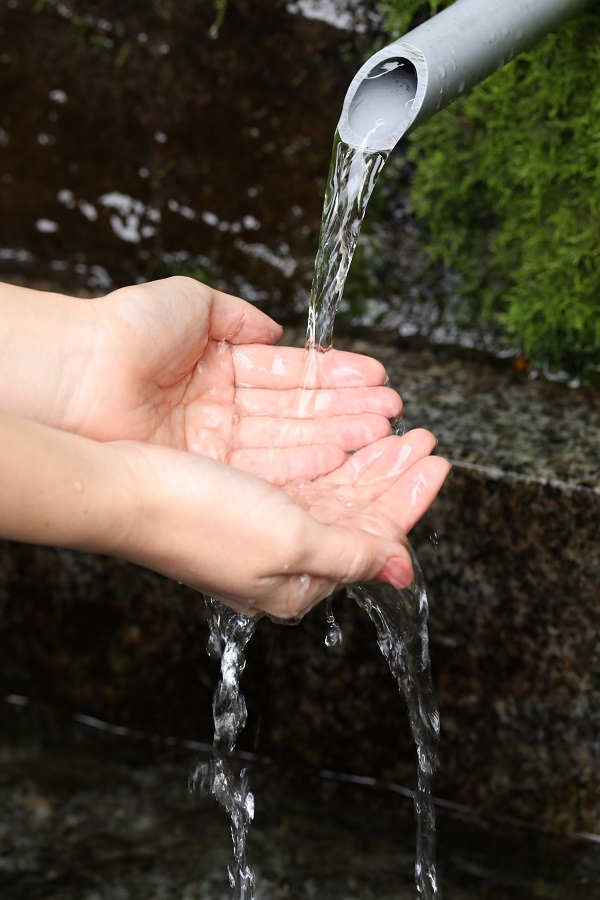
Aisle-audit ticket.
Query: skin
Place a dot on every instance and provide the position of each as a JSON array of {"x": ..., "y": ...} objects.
[
  {"x": 163, "y": 425},
  {"x": 176, "y": 363}
]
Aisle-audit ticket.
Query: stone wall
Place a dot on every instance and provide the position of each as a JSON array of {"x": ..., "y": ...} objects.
[{"x": 514, "y": 586}]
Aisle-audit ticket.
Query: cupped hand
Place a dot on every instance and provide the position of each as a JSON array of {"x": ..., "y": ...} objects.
[
  {"x": 291, "y": 547},
  {"x": 154, "y": 371},
  {"x": 186, "y": 366},
  {"x": 383, "y": 489}
]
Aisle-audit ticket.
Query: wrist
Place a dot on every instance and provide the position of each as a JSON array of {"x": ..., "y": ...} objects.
[
  {"x": 171, "y": 498},
  {"x": 48, "y": 339},
  {"x": 60, "y": 489}
]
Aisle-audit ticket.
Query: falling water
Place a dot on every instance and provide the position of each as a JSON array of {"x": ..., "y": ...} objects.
[
  {"x": 352, "y": 177},
  {"x": 229, "y": 632},
  {"x": 400, "y": 617},
  {"x": 334, "y": 632}
]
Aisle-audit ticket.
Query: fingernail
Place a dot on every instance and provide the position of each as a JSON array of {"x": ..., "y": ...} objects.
[{"x": 397, "y": 571}]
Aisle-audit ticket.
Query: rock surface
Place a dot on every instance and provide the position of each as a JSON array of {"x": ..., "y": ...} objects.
[{"x": 514, "y": 583}]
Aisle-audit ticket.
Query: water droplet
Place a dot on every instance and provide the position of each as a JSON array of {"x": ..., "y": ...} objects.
[
  {"x": 46, "y": 226},
  {"x": 334, "y": 632},
  {"x": 58, "y": 96},
  {"x": 333, "y": 636}
]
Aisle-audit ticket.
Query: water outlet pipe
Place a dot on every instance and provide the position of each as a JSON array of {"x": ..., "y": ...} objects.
[{"x": 410, "y": 80}]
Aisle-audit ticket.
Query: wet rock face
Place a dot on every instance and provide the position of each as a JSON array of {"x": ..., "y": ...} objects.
[
  {"x": 514, "y": 624},
  {"x": 515, "y": 617},
  {"x": 133, "y": 145},
  {"x": 514, "y": 583}
]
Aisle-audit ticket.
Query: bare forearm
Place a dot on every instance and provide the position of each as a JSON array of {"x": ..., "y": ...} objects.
[
  {"x": 60, "y": 489},
  {"x": 46, "y": 339},
  {"x": 209, "y": 525}
]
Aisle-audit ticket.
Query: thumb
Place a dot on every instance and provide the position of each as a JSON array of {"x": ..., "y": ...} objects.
[
  {"x": 237, "y": 321},
  {"x": 350, "y": 555}
]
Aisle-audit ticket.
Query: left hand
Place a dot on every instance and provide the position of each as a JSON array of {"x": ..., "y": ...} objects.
[
  {"x": 177, "y": 363},
  {"x": 293, "y": 546},
  {"x": 182, "y": 365},
  {"x": 213, "y": 527}
]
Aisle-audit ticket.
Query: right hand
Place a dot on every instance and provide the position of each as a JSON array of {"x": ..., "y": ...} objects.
[
  {"x": 177, "y": 363},
  {"x": 261, "y": 549}
]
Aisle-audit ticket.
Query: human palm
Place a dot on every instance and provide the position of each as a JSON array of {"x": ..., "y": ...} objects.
[
  {"x": 293, "y": 546},
  {"x": 384, "y": 489},
  {"x": 153, "y": 371},
  {"x": 206, "y": 377}
]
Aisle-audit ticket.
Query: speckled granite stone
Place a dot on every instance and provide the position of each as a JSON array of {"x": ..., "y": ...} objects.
[
  {"x": 91, "y": 815},
  {"x": 514, "y": 585},
  {"x": 488, "y": 414}
]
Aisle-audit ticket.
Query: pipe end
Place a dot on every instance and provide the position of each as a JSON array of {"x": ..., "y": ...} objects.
[{"x": 381, "y": 103}]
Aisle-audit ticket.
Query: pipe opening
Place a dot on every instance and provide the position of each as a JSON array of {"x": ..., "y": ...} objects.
[{"x": 384, "y": 100}]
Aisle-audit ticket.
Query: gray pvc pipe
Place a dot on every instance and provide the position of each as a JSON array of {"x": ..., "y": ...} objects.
[{"x": 429, "y": 67}]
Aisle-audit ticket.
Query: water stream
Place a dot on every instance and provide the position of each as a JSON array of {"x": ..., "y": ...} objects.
[
  {"x": 351, "y": 180},
  {"x": 400, "y": 617},
  {"x": 229, "y": 632}
]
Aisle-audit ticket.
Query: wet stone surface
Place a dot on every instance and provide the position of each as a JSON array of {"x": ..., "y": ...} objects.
[
  {"x": 142, "y": 147},
  {"x": 186, "y": 183},
  {"x": 513, "y": 579},
  {"x": 87, "y": 814}
]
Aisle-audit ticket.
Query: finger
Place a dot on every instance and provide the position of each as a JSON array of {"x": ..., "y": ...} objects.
[
  {"x": 348, "y": 432},
  {"x": 329, "y": 557},
  {"x": 229, "y": 318},
  {"x": 406, "y": 499},
  {"x": 282, "y": 465},
  {"x": 400, "y": 453},
  {"x": 384, "y": 556},
  {"x": 281, "y": 368},
  {"x": 237, "y": 321},
  {"x": 301, "y": 403},
  {"x": 383, "y": 459},
  {"x": 419, "y": 487},
  {"x": 352, "y": 555}
]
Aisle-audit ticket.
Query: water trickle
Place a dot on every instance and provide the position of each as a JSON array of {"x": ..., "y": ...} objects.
[
  {"x": 400, "y": 617},
  {"x": 352, "y": 177},
  {"x": 229, "y": 632},
  {"x": 334, "y": 632},
  {"x": 400, "y": 620}
]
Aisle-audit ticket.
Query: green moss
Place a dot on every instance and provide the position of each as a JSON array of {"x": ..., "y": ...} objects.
[
  {"x": 401, "y": 15},
  {"x": 220, "y": 7},
  {"x": 507, "y": 187}
]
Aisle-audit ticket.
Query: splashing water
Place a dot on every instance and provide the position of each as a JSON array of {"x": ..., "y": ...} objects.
[{"x": 399, "y": 617}]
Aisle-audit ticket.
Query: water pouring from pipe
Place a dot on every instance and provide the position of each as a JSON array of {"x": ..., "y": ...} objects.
[
  {"x": 397, "y": 89},
  {"x": 416, "y": 76}
]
